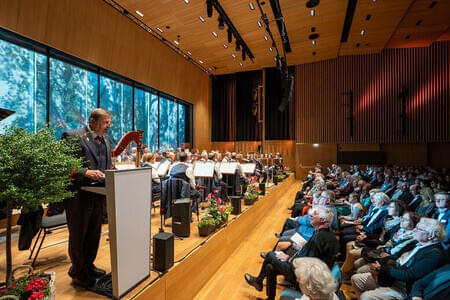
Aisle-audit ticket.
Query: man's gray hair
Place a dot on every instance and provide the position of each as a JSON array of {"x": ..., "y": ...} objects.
[
  {"x": 324, "y": 213},
  {"x": 315, "y": 277}
]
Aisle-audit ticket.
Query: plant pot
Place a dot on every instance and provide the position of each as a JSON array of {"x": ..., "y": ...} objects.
[
  {"x": 205, "y": 230},
  {"x": 262, "y": 188},
  {"x": 248, "y": 201},
  {"x": 275, "y": 180}
]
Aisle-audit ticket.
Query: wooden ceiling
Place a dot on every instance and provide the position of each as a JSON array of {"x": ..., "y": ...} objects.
[{"x": 392, "y": 24}]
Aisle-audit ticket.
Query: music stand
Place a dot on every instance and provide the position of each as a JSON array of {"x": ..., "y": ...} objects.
[
  {"x": 4, "y": 113},
  {"x": 203, "y": 169}
]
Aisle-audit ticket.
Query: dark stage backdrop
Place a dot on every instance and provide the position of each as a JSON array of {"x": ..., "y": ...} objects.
[
  {"x": 223, "y": 108},
  {"x": 278, "y": 125},
  {"x": 323, "y": 110},
  {"x": 246, "y": 120}
]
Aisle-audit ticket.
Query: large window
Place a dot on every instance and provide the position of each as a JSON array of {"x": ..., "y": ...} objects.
[
  {"x": 117, "y": 98},
  {"x": 23, "y": 86},
  {"x": 73, "y": 94},
  {"x": 64, "y": 97}
]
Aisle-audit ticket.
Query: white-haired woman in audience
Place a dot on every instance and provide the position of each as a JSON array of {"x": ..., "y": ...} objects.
[{"x": 315, "y": 279}]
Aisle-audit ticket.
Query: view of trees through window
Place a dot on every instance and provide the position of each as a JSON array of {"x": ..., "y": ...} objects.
[{"x": 73, "y": 92}]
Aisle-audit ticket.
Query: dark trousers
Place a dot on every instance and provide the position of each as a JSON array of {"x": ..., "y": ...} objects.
[
  {"x": 271, "y": 268},
  {"x": 84, "y": 220},
  {"x": 346, "y": 235}
]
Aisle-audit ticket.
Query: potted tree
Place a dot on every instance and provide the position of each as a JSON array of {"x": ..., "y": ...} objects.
[{"x": 34, "y": 169}]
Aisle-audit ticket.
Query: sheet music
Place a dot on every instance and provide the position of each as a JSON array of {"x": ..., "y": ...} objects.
[
  {"x": 228, "y": 168},
  {"x": 248, "y": 168},
  {"x": 204, "y": 169},
  {"x": 125, "y": 166},
  {"x": 297, "y": 238}
]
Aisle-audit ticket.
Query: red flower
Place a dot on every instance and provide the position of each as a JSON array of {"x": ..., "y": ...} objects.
[
  {"x": 36, "y": 295},
  {"x": 219, "y": 201},
  {"x": 222, "y": 209}
]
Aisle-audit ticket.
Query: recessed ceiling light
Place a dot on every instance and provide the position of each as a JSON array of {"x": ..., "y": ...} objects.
[
  {"x": 139, "y": 13},
  {"x": 407, "y": 37},
  {"x": 313, "y": 12},
  {"x": 210, "y": 69},
  {"x": 313, "y": 29},
  {"x": 240, "y": 64},
  {"x": 189, "y": 53},
  {"x": 252, "y": 7},
  {"x": 176, "y": 42},
  {"x": 225, "y": 46},
  {"x": 159, "y": 29},
  {"x": 314, "y": 53},
  {"x": 266, "y": 38},
  {"x": 313, "y": 36},
  {"x": 270, "y": 49},
  {"x": 214, "y": 34},
  {"x": 363, "y": 32},
  {"x": 202, "y": 19},
  {"x": 312, "y": 3},
  {"x": 368, "y": 17},
  {"x": 419, "y": 22},
  {"x": 200, "y": 61},
  {"x": 233, "y": 55},
  {"x": 259, "y": 24},
  {"x": 313, "y": 42},
  {"x": 186, "y": 1}
]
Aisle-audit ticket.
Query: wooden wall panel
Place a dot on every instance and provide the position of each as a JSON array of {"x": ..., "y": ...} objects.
[
  {"x": 405, "y": 154},
  {"x": 96, "y": 32},
  {"x": 285, "y": 147},
  {"x": 322, "y": 105},
  {"x": 307, "y": 156},
  {"x": 438, "y": 155}
]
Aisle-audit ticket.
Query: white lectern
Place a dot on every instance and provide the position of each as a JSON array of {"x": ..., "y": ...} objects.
[{"x": 128, "y": 197}]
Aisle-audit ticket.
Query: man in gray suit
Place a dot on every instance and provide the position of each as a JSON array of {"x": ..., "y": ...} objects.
[{"x": 85, "y": 210}]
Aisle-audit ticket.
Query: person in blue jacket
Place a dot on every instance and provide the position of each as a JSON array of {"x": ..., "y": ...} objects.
[{"x": 442, "y": 214}]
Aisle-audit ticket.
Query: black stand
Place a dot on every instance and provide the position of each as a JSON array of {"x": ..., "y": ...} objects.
[{"x": 103, "y": 286}]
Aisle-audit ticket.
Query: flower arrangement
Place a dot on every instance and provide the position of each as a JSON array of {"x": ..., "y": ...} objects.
[
  {"x": 216, "y": 215},
  {"x": 252, "y": 193},
  {"x": 32, "y": 286}
]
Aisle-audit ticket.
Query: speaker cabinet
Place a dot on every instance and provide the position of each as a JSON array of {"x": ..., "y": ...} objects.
[
  {"x": 163, "y": 251},
  {"x": 181, "y": 217},
  {"x": 236, "y": 204},
  {"x": 262, "y": 189}
]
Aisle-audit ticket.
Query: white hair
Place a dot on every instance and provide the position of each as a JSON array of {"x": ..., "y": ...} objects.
[
  {"x": 315, "y": 278},
  {"x": 381, "y": 197},
  {"x": 324, "y": 213},
  {"x": 434, "y": 228}
]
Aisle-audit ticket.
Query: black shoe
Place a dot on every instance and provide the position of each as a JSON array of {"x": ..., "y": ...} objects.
[
  {"x": 96, "y": 272},
  {"x": 277, "y": 235},
  {"x": 86, "y": 283},
  {"x": 263, "y": 255},
  {"x": 254, "y": 282}
]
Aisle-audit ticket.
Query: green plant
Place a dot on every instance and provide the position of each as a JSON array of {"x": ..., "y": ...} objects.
[
  {"x": 206, "y": 221},
  {"x": 34, "y": 169}
]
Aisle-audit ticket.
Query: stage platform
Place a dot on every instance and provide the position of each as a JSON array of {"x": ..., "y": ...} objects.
[{"x": 196, "y": 258}]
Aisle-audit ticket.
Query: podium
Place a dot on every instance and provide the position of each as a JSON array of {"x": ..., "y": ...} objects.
[{"x": 128, "y": 196}]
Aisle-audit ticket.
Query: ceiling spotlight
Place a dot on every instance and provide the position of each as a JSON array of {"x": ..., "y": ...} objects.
[
  {"x": 230, "y": 35},
  {"x": 189, "y": 53},
  {"x": 202, "y": 19},
  {"x": 200, "y": 61},
  {"x": 270, "y": 49},
  {"x": 209, "y": 8},
  {"x": 214, "y": 34},
  {"x": 159, "y": 29},
  {"x": 233, "y": 55},
  {"x": 312, "y": 3},
  {"x": 221, "y": 23},
  {"x": 225, "y": 46},
  {"x": 176, "y": 42},
  {"x": 313, "y": 12},
  {"x": 363, "y": 32},
  {"x": 240, "y": 64},
  {"x": 266, "y": 38},
  {"x": 139, "y": 13},
  {"x": 238, "y": 47},
  {"x": 252, "y": 7},
  {"x": 313, "y": 42},
  {"x": 186, "y": 1},
  {"x": 259, "y": 24}
]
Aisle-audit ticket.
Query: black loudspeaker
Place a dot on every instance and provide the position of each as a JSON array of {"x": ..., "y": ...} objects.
[
  {"x": 287, "y": 85},
  {"x": 181, "y": 217},
  {"x": 262, "y": 189},
  {"x": 163, "y": 251},
  {"x": 236, "y": 204}
]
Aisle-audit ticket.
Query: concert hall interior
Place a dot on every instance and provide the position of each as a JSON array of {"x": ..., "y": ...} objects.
[{"x": 224, "y": 149}]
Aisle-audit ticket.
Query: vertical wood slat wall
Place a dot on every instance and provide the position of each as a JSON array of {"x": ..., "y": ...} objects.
[{"x": 322, "y": 108}]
